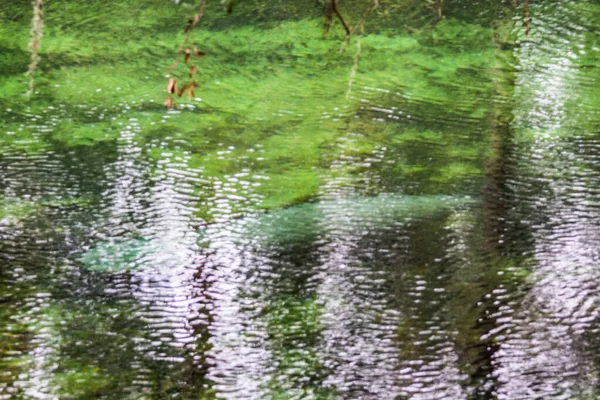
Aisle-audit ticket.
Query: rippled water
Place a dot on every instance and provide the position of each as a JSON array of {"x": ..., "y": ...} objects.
[{"x": 416, "y": 217}]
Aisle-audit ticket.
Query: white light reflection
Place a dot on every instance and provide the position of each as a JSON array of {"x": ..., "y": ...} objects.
[
  {"x": 240, "y": 358},
  {"x": 155, "y": 205},
  {"x": 359, "y": 346},
  {"x": 537, "y": 355}
]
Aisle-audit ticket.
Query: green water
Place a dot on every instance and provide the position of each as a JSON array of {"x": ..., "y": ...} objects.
[{"x": 413, "y": 214}]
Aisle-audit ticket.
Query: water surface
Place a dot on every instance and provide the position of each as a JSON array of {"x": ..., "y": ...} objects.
[{"x": 415, "y": 217}]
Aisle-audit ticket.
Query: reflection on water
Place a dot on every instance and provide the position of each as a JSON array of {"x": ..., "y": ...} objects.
[
  {"x": 432, "y": 235},
  {"x": 544, "y": 346}
]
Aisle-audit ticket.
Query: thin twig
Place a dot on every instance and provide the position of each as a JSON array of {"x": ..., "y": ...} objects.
[
  {"x": 411, "y": 29},
  {"x": 333, "y": 6},
  {"x": 354, "y": 69},
  {"x": 188, "y": 34},
  {"x": 526, "y": 15},
  {"x": 37, "y": 31},
  {"x": 360, "y": 25}
]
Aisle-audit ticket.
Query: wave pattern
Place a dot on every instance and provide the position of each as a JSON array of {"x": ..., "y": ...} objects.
[{"x": 441, "y": 246}]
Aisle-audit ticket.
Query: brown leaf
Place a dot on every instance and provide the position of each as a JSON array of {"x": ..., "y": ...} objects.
[
  {"x": 183, "y": 89},
  {"x": 193, "y": 70},
  {"x": 190, "y": 90},
  {"x": 168, "y": 102},
  {"x": 172, "y": 86},
  {"x": 188, "y": 55}
]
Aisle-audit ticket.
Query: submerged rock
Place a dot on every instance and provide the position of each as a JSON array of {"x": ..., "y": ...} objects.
[
  {"x": 351, "y": 214},
  {"x": 117, "y": 255},
  {"x": 290, "y": 224}
]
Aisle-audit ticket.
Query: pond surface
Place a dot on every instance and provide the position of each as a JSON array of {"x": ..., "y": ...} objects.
[{"x": 414, "y": 217}]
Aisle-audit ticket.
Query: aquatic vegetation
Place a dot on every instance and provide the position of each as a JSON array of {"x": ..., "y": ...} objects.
[
  {"x": 294, "y": 224},
  {"x": 360, "y": 207},
  {"x": 84, "y": 382},
  {"x": 294, "y": 328},
  {"x": 12, "y": 210},
  {"x": 373, "y": 212},
  {"x": 252, "y": 108},
  {"x": 116, "y": 256},
  {"x": 239, "y": 102}
]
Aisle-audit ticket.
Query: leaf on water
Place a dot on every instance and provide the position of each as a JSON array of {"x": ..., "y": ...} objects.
[{"x": 172, "y": 86}]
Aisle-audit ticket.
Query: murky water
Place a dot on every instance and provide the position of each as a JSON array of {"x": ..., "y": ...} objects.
[{"x": 416, "y": 217}]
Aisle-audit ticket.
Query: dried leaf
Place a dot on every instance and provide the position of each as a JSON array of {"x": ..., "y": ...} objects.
[
  {"x": 193, "y": 70},
  {"x": 168, "y": 102},
  {"x": 172, "y": 86},
  {"x": 183, "y": 89},
  {"x": 187, "y": 55},
  {"x": 190, "y": 90}
]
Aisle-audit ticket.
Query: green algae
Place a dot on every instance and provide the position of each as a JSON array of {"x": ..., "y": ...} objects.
[
  {"x": 294, "y": 326},
  {"x": 274, "y": 102},
  {"x": 15, "y": 210},
  {"x": 116, "y": 256},
  {"x": 239, "y": 99}
]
